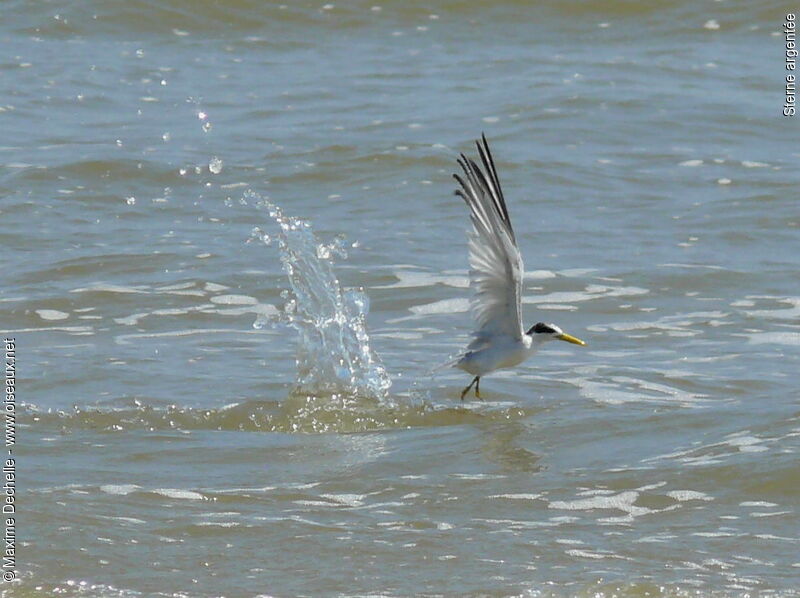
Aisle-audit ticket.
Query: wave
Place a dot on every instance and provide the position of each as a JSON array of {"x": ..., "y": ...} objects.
[{"x": 297, "y": 413}]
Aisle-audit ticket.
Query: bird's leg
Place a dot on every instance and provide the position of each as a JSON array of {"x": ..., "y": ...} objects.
[
  {"x": 478, "y": 386},
  {"x": 466, "y": 390}
]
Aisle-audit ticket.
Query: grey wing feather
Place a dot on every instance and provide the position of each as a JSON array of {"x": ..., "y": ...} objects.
[{"x": 495, "y": 262}]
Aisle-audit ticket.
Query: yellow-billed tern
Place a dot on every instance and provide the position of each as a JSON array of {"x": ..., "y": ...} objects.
[{"x": 495, "y": 278}]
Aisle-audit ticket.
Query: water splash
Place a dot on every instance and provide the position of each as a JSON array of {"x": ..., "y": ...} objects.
[{"x": 334, "y": 357}]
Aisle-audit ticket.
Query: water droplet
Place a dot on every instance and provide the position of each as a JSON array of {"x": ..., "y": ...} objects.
[
  {"x": 130, "y": 201},
  {"x": 334, "y": 355},
  {"x": 215, "y": 165}
]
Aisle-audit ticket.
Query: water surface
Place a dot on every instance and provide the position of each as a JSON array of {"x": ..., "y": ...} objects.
[{"x": 652, "y": 183}]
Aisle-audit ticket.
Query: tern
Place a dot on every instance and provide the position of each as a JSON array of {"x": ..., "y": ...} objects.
[{"x": 495, "y": 275}]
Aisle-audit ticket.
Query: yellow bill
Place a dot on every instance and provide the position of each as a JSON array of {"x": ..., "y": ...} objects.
[{"x": 571, "y": 339}]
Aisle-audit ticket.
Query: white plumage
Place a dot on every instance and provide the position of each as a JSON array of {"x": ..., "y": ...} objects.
[{"x": 496, "y": 272}]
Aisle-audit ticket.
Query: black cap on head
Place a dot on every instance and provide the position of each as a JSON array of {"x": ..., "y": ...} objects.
[{"x": 541, "y": 328}]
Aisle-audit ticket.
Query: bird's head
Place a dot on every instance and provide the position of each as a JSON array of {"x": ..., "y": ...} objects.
[{"x": 550, "y": 332}]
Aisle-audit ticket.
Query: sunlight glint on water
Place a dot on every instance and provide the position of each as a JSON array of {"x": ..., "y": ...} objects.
[{"x": 651, "y": 180}]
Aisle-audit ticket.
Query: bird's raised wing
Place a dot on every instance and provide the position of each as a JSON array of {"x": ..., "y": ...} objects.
[{"x": 495, "y": 262}]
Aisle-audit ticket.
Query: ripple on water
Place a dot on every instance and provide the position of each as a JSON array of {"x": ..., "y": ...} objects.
[{"x": 297, "y": 413}]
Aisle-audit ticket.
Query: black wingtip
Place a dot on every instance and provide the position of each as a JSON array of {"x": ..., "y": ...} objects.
[{"x": 460, "y": 192}]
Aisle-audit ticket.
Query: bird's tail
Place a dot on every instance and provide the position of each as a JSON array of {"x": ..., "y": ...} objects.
[
  {"x": 420, "y": 388},
  {"x": 450, "y": 363}
]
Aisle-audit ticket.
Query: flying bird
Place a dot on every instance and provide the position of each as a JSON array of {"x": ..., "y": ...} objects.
[{"x": 496, "y": 272}]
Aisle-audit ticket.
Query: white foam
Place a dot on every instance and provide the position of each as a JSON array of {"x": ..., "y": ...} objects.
[
  {"x": 622, "y": 502},
  {"x": 404, "y": 336},
  {"x": 119, "y": 489},
  {"x": 414, "y": 279},
  {"x": 132, "y": 319},
  {"x": 592, "y": 291},
  {"x": 352, "y": 500},
  {"x": 110, "y": 288},
  {"x": 522, "y": 496},
  {"x": 679, "y": 265},
  {"x": 741, "y": 441},
  {"x": 312, "y": 503},
  {"x": 179, "y": 494},
  {"x": 51, "y": 314},
  {"x": 561, "y": 297},
  {"x": 569, "y": 541},
  {"x": 773, "y": 338},
  {"x": 576, "y": 272},
  {"x": 585, "y": 554},
  {"x": 789, "y": 313},
  {"x": 651, "y": 486},
  {"x": 539, "y": 275},
  {"x": 77, "y": 330},
  {"x": 213, "y": 287},
  {"x": 234, "y": 300},
  {"x": 444, "y": 306},
  {"x": 683, "y": 495},
  {"x": 265, "y": 310}
]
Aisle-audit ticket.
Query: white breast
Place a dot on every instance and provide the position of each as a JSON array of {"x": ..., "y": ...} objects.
[{"x": 500, "y": 354}]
